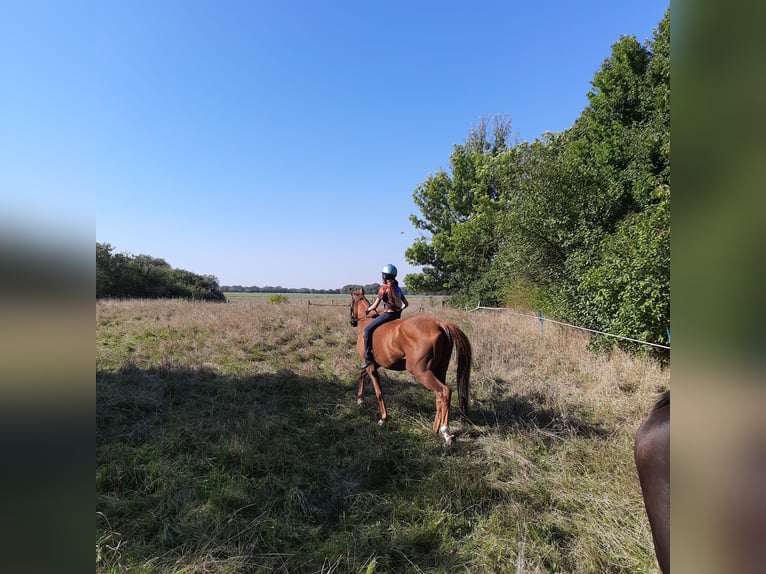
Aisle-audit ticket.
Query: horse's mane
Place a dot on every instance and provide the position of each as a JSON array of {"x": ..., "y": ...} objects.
[{"x": 663, "y": 401}]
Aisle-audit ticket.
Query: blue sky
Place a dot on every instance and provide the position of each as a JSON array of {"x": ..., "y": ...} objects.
[{"x": 279, "y": 142}]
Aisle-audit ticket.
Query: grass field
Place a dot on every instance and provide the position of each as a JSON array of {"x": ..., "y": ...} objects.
[{"x": 228, "y": 440}]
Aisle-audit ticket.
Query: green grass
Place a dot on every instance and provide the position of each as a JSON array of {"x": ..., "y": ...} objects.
[{"x": 228, "y": 440}]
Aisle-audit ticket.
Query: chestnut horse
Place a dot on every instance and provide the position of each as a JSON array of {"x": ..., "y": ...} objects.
[
  {"x": 652, "y": 454},
  {"x": 423, "y": 347}
]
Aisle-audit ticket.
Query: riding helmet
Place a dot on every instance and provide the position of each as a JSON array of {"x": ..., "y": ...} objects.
[{"x": 389, "y": 270}]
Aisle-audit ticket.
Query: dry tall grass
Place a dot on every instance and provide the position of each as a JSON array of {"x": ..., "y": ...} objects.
[{"x": 543, "y": 481}]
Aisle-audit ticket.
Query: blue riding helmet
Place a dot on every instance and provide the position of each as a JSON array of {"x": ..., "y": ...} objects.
[{"x": 389, "y": 270}]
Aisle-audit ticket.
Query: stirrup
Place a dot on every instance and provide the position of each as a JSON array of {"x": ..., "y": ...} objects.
[{"x": 367, "y": 364}]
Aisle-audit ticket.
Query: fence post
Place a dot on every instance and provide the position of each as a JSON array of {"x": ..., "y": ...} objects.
[{"x": 542, "y": 321}]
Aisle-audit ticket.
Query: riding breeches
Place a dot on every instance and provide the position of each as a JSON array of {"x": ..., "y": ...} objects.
[{"x": 376, "y": 322}]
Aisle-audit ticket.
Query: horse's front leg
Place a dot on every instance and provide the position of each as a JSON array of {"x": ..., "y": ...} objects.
[
  {"x": 360, "y": 388},
  {"x": 379, "y": 395}
]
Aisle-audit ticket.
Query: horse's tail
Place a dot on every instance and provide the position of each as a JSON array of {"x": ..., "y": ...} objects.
[{"x": 464, "y": 358}]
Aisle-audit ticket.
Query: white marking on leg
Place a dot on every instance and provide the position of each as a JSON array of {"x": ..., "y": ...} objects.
[{"x": 448, "y": 437}]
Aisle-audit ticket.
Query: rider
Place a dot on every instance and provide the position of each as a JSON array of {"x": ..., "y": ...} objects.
[{"x": 394, "y": 302}]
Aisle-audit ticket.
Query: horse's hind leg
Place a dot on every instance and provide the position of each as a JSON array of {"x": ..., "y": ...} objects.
[{"x": 443, "y": 397}]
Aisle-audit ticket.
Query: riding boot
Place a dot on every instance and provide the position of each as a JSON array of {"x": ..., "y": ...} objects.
[{"x": 369, "y": 359}]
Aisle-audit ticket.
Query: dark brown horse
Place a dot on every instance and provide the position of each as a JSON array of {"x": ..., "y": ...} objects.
[
  {"x": 422, "y": 346},
  {"x": 652, "y": 453}
]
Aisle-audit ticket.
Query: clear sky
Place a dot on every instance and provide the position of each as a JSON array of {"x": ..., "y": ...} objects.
[{"x": 276, "y": 142}]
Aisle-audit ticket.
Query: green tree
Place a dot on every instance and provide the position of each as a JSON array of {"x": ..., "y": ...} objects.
[
  {"x": 577, "y": 220},
  {"x": 143, "y": 276},
  {"x": 620, "y": 147},
  {"x": 458, "y": 213},
  {"x": 104, "y": 270},
  {"x": 627, "y": 290}
]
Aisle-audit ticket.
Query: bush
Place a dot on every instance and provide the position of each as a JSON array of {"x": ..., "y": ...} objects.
[{"x": 277, "y": 298}]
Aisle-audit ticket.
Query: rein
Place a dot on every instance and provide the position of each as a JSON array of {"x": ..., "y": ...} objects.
[{"x": 354, "y": 314}]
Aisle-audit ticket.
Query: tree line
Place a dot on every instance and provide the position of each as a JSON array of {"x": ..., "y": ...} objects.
[
  {"x": 370, "y": 288},
  {"x": 576, "y": 223},
  {"x": 121, "y": 275},
  {"x": 277, "y": 289}
]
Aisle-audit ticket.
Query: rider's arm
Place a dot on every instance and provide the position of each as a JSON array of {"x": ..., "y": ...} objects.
[{"x": 373, "y": 306}]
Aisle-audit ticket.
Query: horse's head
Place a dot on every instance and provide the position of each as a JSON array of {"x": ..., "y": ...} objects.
[{"x": 357, "y": 297}]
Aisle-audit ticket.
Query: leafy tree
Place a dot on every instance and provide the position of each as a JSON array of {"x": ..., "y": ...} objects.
[
  {"x": 458, "y": 214},
  {"x": 627, "y": 291},
  {"x": 620, "y": 149},
  {"x": 104, "y": 270},
  {"x": 143, "y": 276},
  {"x": 578, "y": 221}
]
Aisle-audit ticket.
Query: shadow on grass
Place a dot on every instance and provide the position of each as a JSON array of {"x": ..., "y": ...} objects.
[
  {"x": 273, "y": 471},
  {"x": 526, "y": 413},
  {"x": 402, "y": 391},
  {"x": 530, "y": 412}
]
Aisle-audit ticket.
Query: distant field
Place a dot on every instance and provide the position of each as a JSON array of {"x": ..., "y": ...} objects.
[
  {"x": 291, "y": 296},
  {"x": 228, "y": 440},
  {"x": 416, "y": 301}
]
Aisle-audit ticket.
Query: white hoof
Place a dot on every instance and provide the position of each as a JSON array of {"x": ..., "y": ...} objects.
[
  {"x": 449, "y": 438},
  {"x": 359, "y": 402},
  {"x": 381, "y": 422}
]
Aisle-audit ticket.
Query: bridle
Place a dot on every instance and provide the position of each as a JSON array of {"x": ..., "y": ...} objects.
[
  {"x": 352, "y": 311},
  {"x": 353, "y": 315}
]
